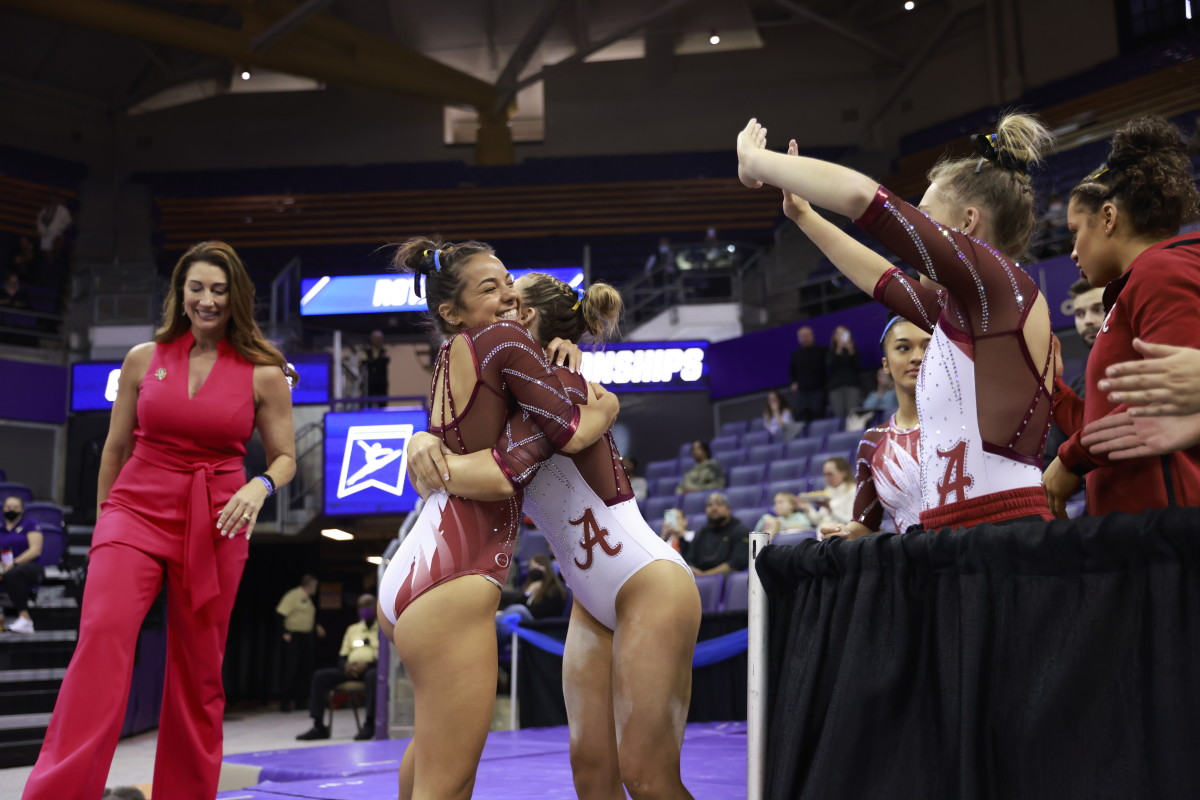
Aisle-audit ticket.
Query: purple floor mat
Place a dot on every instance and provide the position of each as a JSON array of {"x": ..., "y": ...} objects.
[{"x": 532, "y": 762}]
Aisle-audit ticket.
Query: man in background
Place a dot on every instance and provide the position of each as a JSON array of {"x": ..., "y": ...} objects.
[{"x": 356, "y": 662}]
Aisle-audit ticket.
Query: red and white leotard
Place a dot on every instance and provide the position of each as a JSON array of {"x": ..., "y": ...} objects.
[
  {"x": 981, "y": 399},
  {"x": 583, "y": 505},
  {"x": 889, "y": 476},
  {"x": 454, "y": 536}
]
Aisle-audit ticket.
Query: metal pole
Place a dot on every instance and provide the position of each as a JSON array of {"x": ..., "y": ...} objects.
[
  {"x": 513, "y": 721},
  {"x": 756, "y": 685},
  {"x": 339, "y": 371}
]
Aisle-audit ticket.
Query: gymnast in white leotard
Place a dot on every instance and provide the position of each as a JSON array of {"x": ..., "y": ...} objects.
[{"x": 634, "y": 595}]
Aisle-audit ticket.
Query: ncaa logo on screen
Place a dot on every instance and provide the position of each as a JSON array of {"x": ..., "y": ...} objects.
[{"x": 374, "y": 458}]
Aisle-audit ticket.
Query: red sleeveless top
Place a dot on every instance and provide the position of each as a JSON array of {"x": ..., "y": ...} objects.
[{"x": 186, "y": 462}]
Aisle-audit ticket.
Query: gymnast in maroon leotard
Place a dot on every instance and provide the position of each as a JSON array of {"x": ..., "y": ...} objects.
[
  {"x": 983, "y": 395},
  {"x": 440, "y": 592}
]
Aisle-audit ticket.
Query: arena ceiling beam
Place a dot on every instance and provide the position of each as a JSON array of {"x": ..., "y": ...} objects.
[
  {"x": 861, "y": 39},
  {"x": 294, "y": 19},
  {"x": 666, "y": 9},
  {"x": 524, "y": 51},
  {"x": 322, "y": 47}
]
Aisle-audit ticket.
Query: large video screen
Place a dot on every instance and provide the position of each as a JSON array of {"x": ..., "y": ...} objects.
[
  {"x": 365, "y": 461},
  {"x": 94, "y": 385}
]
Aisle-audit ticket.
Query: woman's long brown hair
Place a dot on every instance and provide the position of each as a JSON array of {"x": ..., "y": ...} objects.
[{"x": 242, "y": 332}]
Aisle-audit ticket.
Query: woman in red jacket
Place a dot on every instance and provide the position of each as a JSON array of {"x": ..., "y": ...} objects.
[{"x": 1121, "y": 217}]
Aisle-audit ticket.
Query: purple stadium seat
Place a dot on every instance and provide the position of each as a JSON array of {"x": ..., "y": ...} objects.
[
  {"x": 737, "y": 591},
  {"x": 54, "y": 544},
  {"x": 724, "y": 443},
  {"x": 793, "y": 486},
  {"x": 685, "y": 451},
  {"x": 662, "y": 469},
  {"x": 14, "y": 489},
  {"x": 697, "y": 521},
  {"x": 787, "y": 469},
  {"x": 532, "y": 543},
  {"x": 44, "y": 513},
  {"x": 802, "y": 448},
  {"x": 735, "y": 428},
  {"x": 665, "y": 487},
  {"x": 656, "y": 507},
  {"x": 823, "y": 427},
  {"x": 732, "y": 458},
  {"x": 710, "y": 587},
  {"x": 740, "y": 496},
  {"x": 755, "y": 438},
  {"x": 765, "y": 453},
  {"x": 747, "y": 475},
  {"x": 694, "y": 502},
  {"x": 843, "y": 442},
  {"x": 818, "y": 462}
]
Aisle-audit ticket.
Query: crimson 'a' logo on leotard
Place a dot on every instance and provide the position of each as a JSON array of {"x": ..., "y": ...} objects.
[
  {"x": 593, "y": 535},
  {"x": 955, "y": 481}
]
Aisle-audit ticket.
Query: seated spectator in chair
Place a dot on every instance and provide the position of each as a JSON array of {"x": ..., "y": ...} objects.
[
  {"x": 706, "y": 474},
  {"x": 641, "y": 489},
  {"x": 884, "y": 396},
  {"x": 544, "y": 594},
  {"x": 835, "y": 504},
  {"x": 722, "y": 545},
  {"x": 777, "y": 415},
  {"x": 20, "y": 546},
  {"x": 791, "y": 514},
  {"x": 12, "y": 295},
  {"x": 674, "y": 529},
  {"x": 356, "y": 662}
]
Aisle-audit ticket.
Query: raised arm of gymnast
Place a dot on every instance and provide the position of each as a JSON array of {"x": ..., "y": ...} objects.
[{"x": 862, "y": 265}]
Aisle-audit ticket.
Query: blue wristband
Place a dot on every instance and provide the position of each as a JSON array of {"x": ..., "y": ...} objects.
[{"x": 267, "y": 483}]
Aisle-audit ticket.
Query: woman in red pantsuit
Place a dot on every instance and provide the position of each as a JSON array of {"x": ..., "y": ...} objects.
[{"x": 175, "y": 503}]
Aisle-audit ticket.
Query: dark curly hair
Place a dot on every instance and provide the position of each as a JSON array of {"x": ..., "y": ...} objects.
[
  {"x": 437, "y": 265},
  {"x": 1148, "y": 176}
]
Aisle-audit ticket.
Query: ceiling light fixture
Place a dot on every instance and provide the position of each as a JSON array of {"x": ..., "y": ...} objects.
[
  {"x": 377, "y": 560},
  {"x": 715, "y": 38},
  {"x": 910, "y": 5},
  {"x": 245, "y": 74},
  {"x": 337, "y": 534}
]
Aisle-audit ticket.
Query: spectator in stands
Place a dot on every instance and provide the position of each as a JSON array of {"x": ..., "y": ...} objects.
[
  {"x": 835, "y": 504},
  {"x": 884, "y": 396},
  {"x": 722, "y": 545},
  {"x": 674, "y": 529},
  {"x": 791, "y": 514},
  {"x": 777, "y": 415},
  {"x": 543, "y": 595},
  {"x": 1088, "y": 310},
  {"x": 12, "y": 294},
  {"x": 661, "y": 260},
  {"x": 641, "y": 489},
  {"x": 20, "y": 547},
  {"x": 1053, "y": 228},
  {"x": 300, "y": 630},
  {"x": 356, "y": 662},
  {"x": 845, "y": 392},
  {"x": 53, "y": 221},
  {"x": 807, "y": 372},
  {"x": 706, "y": 474},
  {"x": 375, "y": 363}
]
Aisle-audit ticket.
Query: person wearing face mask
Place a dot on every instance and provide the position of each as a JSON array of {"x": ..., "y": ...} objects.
[
  {"x": 542, "y": 596},
  {"x": 176, "y": 508},
  {"x": 20, "y": 546},
  {"x": 356, "y": 662}
]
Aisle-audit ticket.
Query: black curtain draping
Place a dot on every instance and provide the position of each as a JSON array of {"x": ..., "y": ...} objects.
[
  {"x": 1027, "y": 660},
  {"x": 718, "y": 690}
]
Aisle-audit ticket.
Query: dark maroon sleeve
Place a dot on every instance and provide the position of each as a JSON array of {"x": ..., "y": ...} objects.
[
  {"x": 868, "y": 510},
  {"x": 510, "y": 361},
  {"x": 909, "y": 299},
  {"x": 522, "y": 448},
  {"x": 993, "y": 292}
]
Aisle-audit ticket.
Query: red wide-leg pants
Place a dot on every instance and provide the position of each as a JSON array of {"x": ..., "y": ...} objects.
[{"x": 122, "y": 582}]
